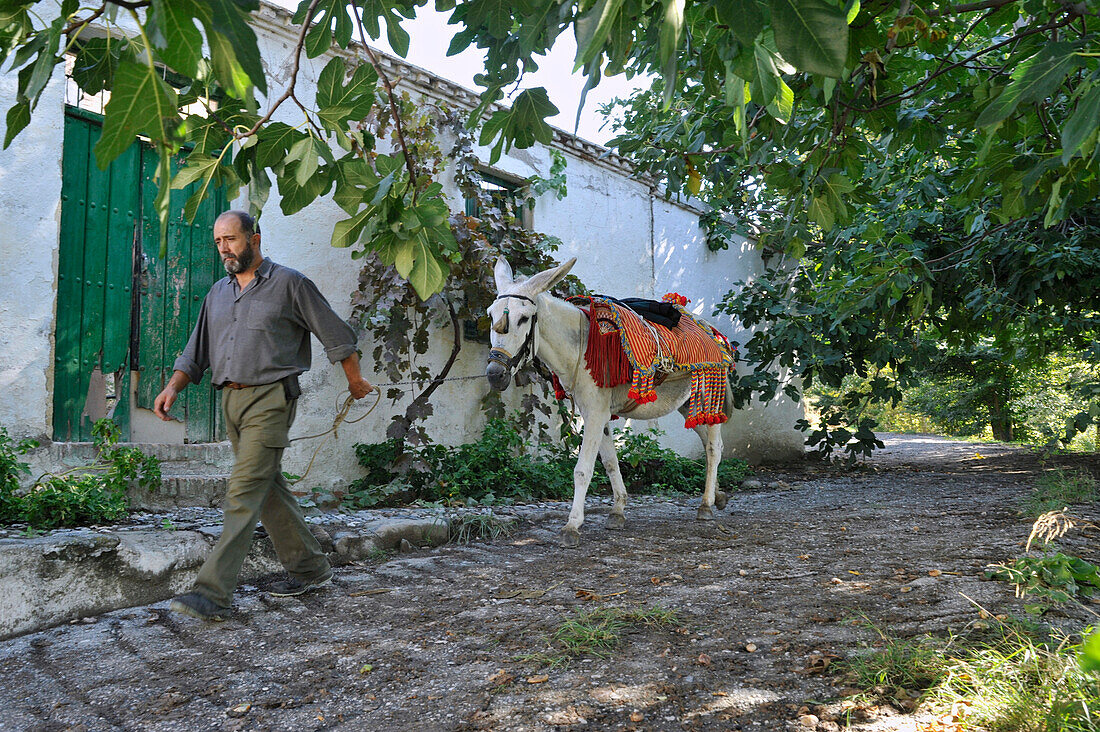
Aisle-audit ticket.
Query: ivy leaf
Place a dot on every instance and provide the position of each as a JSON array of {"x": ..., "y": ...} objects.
[
  {"x": 19, "y": 116},
  {"x": 141, "y": 102},
  {"x": 592, "y": 30},
  {"x": 95, "y": 64},
  {"x": 744, "y": 18},
  {"x": 811, "y": 34},
  {"x": 1032, "y": 81},
  {"x": 767, "y": 75},
  {"x": 672, "y": 28},
  {"x": 230, "y": 19},
  {"x": 172, "y": 30},
  {"x": 492, "y": 15},
  {"x": 428, "y": 274},
  {"x": 821, "y": 214},
  {"x": 207, "y": 172},
  {"x": 1082, "y": 123},
  {"x": 327, "y": 15},
  {"x": 782, "y": 107},
  {"x": 356, "y": 97},
  {"x": 522, "y": 125}
]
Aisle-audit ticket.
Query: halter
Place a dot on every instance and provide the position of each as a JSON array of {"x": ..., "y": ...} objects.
[{"x": 502, "y": 356}]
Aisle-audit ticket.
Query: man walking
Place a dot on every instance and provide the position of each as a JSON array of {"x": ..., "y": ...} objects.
[{"x": 253, "y": 334}]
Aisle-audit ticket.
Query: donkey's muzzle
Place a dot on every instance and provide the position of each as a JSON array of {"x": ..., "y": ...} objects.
[{"x": 498, "y": 376}]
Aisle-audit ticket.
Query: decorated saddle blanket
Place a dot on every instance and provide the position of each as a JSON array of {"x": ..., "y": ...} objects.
[{"x": 624, "y": 348}]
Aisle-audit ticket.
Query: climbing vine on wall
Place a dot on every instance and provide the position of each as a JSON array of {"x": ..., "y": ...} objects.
[{"x": 388, "y": 307}]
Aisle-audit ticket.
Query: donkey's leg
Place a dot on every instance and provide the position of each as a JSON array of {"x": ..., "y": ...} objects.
[
  {"x": 615, "y": 519},
  {"x": 711, "y": 435},
  {"x": 582, "y": 476}
]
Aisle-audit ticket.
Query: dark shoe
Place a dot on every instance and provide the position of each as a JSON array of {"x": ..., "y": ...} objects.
[
  {"x": 294, "y": 587},
  {"x": 199, "y": 606}
]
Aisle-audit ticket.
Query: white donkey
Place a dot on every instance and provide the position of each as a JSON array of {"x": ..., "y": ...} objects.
[{"x": 528, "y": 322}]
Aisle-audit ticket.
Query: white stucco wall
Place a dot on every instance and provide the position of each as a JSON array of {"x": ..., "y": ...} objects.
[
  {"x": 30, "y": 215},
  {"x": 627, "y": 243}
]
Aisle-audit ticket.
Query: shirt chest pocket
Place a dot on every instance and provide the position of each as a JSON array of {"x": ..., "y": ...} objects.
[{"x": 263, "y": 316}]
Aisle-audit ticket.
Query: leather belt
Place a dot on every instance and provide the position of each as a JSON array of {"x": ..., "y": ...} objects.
[{"x": 235, "y": 385}]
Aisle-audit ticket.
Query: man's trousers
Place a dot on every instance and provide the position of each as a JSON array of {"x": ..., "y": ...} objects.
[{"x": 258, "y": 420}]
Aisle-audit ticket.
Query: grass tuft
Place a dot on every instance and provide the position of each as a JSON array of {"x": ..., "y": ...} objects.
[
  {"x": 1012, "y": 677},
  {"x": 469, "y": 527},
  {"x": 597, "y": 633},
  {"x": 1059, "y": 488}
]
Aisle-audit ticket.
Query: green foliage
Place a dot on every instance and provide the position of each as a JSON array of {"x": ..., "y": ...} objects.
[
  {"x": 1013, "y": 677},
  {"x": 504, "y": 467},
  {"x": 11, "y": 468},
  {"x": 1052, "y": 578},
  {"x": 91, "y": 494},
  {"x": 501, "y": 467},
  {"x": 597, "y": 633},
  {"x": 390, "y": 309},
  {"x": 1059, "y": 488},
  {"x": 469, "y": 527},
  {"x": 648, "y": 468},
  {"x": 1090, "y": 653}
]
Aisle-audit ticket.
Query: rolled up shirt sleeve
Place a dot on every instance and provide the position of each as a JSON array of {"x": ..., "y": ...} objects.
[
  {"x": 338, "y": 338},
  {"x": 195, "y": 358}
]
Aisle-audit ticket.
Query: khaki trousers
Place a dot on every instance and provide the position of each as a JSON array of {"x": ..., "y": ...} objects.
[{"x": 258, "y": 419}]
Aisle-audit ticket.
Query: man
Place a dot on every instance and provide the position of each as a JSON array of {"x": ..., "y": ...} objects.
[{"x": 253, "y": 334}]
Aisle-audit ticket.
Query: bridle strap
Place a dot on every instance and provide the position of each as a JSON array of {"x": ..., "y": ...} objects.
[{"x": 501, "y": 356}]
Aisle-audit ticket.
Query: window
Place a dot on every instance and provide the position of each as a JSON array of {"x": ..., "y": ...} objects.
[{"x": 505, "y": 195}]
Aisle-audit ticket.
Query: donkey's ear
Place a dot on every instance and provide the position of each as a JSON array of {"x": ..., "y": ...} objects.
[
  {"x": 546, "y": 279},
  {"x": 503, "y": 274}
]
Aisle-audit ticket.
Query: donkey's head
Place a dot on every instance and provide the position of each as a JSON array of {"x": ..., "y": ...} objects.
[{"x": 514, "y": 314}]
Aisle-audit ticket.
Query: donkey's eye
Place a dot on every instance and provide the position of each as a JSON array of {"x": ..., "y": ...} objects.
[{"x": 522, "y": 319}]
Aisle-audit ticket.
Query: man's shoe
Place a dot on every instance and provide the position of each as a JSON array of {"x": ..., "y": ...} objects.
[
  {"x": 294, "y": 587},
  {"x": 199, "y": 606}
]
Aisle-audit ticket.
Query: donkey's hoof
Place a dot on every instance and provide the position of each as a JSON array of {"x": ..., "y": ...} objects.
[
  {"x": 615, "y": 521},
  {"x": 570, "y": 538},
  {"x": 721, "y": 498},
  {"x": 705, "y": 513}
]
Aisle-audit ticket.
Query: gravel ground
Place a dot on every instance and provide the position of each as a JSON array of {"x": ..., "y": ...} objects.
[{"x": 786, "y": 580}]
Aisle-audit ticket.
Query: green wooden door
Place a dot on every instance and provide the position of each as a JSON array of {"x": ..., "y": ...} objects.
[
  {"x": 171, "y": 293},
  {"x": 109, "y": 330}
]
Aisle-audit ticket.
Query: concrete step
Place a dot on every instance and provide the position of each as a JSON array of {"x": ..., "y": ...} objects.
[{"x": 191, "y": 474}]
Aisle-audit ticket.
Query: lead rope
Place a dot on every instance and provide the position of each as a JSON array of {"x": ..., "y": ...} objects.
[{"x": 341, "y": 418}]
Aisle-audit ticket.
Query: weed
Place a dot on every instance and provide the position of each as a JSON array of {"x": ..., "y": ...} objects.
[
  {"x": 86, "y": 495},
  {"x": 167, "y": 525},
  {"x": 1051, "y": 577},
  {"x": 1059, "y": 488},
  {"x": 503, "y": 467},
  {"x": 469, "y": 527},
  {"x": 596, "y": 633},
  {"x": 1014, "y": 677}
]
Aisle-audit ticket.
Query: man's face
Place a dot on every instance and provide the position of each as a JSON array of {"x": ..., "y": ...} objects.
[{"x": 237, "y": 251}]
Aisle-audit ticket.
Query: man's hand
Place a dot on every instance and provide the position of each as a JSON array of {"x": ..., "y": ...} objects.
[
  {"x": 168, "y": 394},
  {"x": 164, "y": 402},
  {"x": 357, "y": 385},
  {"x": 360, "y": 387}
]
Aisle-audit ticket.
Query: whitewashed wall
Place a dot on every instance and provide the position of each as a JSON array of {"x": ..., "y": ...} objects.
[
  {"x": 30, "y": 219},
  {"x": 628, "y": 243}
]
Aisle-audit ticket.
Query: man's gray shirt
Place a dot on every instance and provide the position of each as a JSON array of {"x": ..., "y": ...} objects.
[{"x": 261, "y": 334}]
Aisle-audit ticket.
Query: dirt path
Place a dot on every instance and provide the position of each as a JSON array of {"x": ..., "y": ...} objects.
[{"x": 785, "y": 580}]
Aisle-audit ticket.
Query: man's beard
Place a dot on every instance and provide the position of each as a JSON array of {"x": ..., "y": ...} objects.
[{"x": 237, "y": 264}]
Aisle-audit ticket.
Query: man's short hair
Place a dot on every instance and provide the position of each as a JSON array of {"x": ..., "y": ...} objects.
[{"x": 249, "y": 225}]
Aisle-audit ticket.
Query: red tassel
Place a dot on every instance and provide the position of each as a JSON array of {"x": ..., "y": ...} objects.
[{"x": 559, "y": 391}]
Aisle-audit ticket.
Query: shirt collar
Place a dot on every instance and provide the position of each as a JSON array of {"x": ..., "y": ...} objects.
[{"x": 264, "y": 271}]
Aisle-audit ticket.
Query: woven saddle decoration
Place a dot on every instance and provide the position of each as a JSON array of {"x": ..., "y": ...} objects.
[{"x": 623, "y": 348}]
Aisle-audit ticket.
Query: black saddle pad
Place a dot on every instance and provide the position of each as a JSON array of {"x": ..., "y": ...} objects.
[{"x": 661, "y": 313}]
